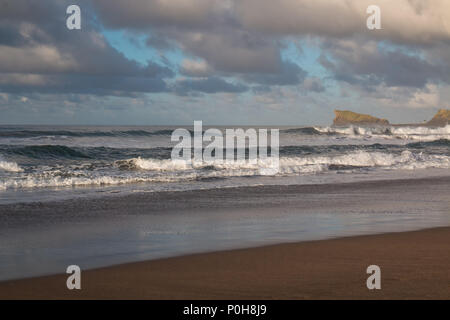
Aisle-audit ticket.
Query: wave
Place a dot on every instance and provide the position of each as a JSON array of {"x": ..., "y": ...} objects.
[
  {"x": 55, "y": 182},
  {"x": 406, "y": 130},
  {"x": 389, "y": 132},
  {"x": 133, "y": 158},
  {"x": 360, "y": 159},
  {"x": 141, "y": 170},
  {"x": 421, "y": 130},
  {"x": 153, "y": 164},
  {"x": 396, "y": 131},
  {"x": 432, "y": 146},
  {"x": 434, "y": 143},
  {"x": 405, "y": 160},
  {"x": 10, "y": 166},
  {"x": 44, "y": 151},
  {"x": 304, "y": 130},
  {"x": 354, "y": 130},
  {"x": 365, "y": 159},
  {"x": 68, "y": 133},
  {"x": 76, "y": 153}
]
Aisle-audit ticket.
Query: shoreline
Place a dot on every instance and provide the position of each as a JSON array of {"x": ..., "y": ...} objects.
[
  {"x": 323, "y": 269},
  {"x": 153, "y": 226},
  {"x": 250, "y": 189}
]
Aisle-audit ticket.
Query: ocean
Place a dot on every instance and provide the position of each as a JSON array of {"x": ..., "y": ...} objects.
[
  {"x": 40, "y": 163},
  {"x": 99, "y": 196}
]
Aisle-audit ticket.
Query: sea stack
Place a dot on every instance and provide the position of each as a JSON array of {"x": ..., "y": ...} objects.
[
  {"x": 344, "y": 118},
  {"x": 441, "y": 118}
]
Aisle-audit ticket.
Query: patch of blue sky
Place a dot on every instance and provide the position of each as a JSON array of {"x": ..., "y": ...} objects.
[
  {"x": 387, "y": 46},
  {"x": 306, "y": 54},
  {"x": 134, "y": 47},
  {"x": 306, "y": 57}
]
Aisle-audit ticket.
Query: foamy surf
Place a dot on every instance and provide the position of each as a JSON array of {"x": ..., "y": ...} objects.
[
  {"x": 55, "y": 182},
  {"x": 419, "y": 133},
  {"x": 139, "y": 170},
  {"x": 10, "y": 166},
  {"x": 355, "y": 159},
  {"x": 79, "y": 159}
]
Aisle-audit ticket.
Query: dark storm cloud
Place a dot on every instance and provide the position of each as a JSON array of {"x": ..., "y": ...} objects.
[
  {"x": 235, "y": 39},
  {"x": 206, "y": 29},
  {"x": 367, "y": 64},
  {"x": 9, "y": 35},
  {"x": 38, "y": 53},
  {"x": 242, "y": 36},
  {"x": 406, "y": 21},
  {"x": 232, "y": 50}
]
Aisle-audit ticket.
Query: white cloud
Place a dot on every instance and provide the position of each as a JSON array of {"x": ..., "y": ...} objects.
[
  {"x": 195, "y": 68},
  {"x": 412, "y": 21},
  {"x": 35, "y": 59}
]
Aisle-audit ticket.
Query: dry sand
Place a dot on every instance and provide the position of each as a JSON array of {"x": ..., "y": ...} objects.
[{"x": 414, "y": 265}]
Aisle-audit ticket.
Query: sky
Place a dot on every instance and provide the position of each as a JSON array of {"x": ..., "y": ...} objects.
[{"x": 237, "y": 62}]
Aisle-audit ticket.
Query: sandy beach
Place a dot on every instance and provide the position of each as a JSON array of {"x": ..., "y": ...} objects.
[
  {"x": 414, "y": 265},
  {"x": 267, "y": 242}
]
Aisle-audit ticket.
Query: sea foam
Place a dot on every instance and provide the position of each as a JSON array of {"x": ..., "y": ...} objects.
[
  {"x": 139, "y": 170},
  {"x": 390, "y": 132},
  {"x": 10, "y": 166}
]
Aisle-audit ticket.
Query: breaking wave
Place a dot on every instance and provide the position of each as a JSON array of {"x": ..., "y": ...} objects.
[
  {"x": 390, "y": 132},
  {"x": 123, "y": 155},
  {"x": 130, "y": 155},
  {"x": 55, "y": 182},
  {"x": 9, "y": 166},
  {"x": 137, "y": 170},
  {"x": 316, "y": 130},
  {"x": 304, "y": 130},
  {"x": 403, "y": 160}
]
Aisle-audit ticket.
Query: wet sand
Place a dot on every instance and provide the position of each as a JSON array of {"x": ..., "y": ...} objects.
[{"x": 414, "y": 265}]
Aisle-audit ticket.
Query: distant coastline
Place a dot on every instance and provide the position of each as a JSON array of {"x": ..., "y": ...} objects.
[{"x": 346, "y": 117}]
